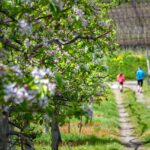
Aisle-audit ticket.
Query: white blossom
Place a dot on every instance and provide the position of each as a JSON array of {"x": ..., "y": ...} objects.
[
  {"x": 44, "y": 81},
  {"x": 17, "y": 94},
  {"x": 17, "y": 69},
  {"x": 7, "y": 97},
  {"x": 23, "y": 23},
  {"x": 66, "y": 54},
  {"x": 27, "y": 43},
  {"x": 51, "y": 87},
  {"x": 86, "y": 49},
  {"x": 78, "y": 12},
  {"x": 68, "y": 61},
  {"x": 25, "y": 28},
  {"x": 49, "y": 72},
  {"x": 77, "y": 67},
  {"x": 9, "y": 88},
  {"x": 40, "y": 73},
  {"x": 86, "y": 67},
  {"x": 84, "y": 22},
  {"x": 44, "y": 102},
  {"x": 55, "y": 60}
]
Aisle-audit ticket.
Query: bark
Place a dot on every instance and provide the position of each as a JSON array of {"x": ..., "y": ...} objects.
[
  {"x": 46, "y": 128},
  {"x": 3, "y": 131},
  {"x": 148, "y": 65},
  {"x": 10, "y": 145},
  {"x": 56, "y": 136},
  {"x": 80, "y": 125},
  {"x": 27, "y": 143},
  {"x": 69, "y": 127}
]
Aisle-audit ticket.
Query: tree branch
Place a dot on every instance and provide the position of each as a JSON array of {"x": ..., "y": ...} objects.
[
  {"x": 15, "y": 125},
  {"x": 6, "y": 14},
  {"x": 105, "y": 33},
  {"x": 8, "y": 43},
  {"x": 62, "y": 42},
  {"x": 23, "y": 135},
  {"x": 5, "y": 22},
  {"x": 44, "y": 17}
]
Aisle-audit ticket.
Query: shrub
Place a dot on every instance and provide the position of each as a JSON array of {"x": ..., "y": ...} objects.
[{"x": 125, "y": 63}]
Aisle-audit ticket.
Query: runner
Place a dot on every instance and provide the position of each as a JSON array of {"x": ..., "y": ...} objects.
[
  {"x": 121, "y": 80},
  {"x": 140, "y": 74}
]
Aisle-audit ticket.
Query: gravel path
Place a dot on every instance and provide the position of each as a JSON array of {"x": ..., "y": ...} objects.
[{"x": 126, "y": 128}]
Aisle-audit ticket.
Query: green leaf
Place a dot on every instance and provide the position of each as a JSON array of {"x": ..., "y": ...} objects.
[
  {"x": 59, "y": 80},
  {"x": 1, "y": 45},
  {"x": 77, "y": 18},
  {"x": 41, "y": 121},
  {"x": 45, "y": 89}
]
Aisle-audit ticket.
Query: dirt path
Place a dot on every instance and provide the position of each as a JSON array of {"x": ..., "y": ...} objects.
[{"x": 126, "y": 128}]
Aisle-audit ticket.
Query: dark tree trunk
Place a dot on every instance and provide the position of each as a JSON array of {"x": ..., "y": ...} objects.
[
  {"x": 69, "y": 127},
  {"x": 148, "y": 65},
  {"x": 27, "y": 143},
  {"x": 56, "y": 136},
  {"x": 3, "y": 131},
  {"x": 80, "y": 125},
  {"x": 11, "y": 145}
]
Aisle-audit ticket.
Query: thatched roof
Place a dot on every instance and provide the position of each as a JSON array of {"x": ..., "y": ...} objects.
[{"x": 132, "y": 23}]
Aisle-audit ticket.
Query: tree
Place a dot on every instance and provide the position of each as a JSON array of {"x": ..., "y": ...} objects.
[{"x": 52, "y": 62}]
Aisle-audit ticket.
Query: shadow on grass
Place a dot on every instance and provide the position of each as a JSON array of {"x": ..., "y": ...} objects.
[
  {"x": 93, "y": 140},
  {"x": 140, "y": 113}
]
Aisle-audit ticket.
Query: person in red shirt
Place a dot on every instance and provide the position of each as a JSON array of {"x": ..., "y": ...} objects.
[{"x": 121, "y": 80}]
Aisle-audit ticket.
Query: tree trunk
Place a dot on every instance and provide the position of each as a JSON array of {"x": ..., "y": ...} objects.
[
  {"x": 80, "y": 124},
  {"x": 3, "y": 131},
  {"x": 56, "y": 136},
  {"x": 10, "y": 145},
  {"x": 69, "y": 127},
  {"x": 148, "y": 65},
  {"x": 27, "y": 143}
]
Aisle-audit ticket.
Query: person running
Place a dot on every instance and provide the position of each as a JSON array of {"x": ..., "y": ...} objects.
[
  {"x": 140, "y": 74},
  {"x": 121, "y": 80}
]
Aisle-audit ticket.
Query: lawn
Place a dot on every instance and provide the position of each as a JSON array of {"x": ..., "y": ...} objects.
[{"x": 101, "y": 134}]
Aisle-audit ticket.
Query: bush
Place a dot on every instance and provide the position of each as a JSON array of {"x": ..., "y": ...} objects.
[{"x": 125, "y": 63}]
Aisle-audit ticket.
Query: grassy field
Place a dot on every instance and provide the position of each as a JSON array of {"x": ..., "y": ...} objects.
[
  {"x": 100, "y": 134},
  {"x": 146, "y": 89},
  {"x": 140, "y": 115},
  {"x": 126, "y": 62}
]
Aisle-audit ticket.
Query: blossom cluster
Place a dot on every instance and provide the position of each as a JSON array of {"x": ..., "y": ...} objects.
[
  {"x": 18, "y": 94},
  {"x": 42, "y": 81},
  {"x": 39, "y": 78},
  {"x": 25, "y": 28},
  {"x": 79, "y": 12},
  {"x": 17, "y": 70}
]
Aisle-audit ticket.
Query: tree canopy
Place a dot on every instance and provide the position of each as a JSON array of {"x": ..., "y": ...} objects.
[{"x": 52, "y": 57}]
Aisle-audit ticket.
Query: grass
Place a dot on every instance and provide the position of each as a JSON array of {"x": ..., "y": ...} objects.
[
  {"x": 140, "y": 115},
  {"x": 126, "y": 62},
  {"x": 101, "y": 134},
  {"x": 146, "y": 88}
]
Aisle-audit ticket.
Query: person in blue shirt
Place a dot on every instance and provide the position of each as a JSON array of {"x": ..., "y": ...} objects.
[{"x": 140, "y": 74}]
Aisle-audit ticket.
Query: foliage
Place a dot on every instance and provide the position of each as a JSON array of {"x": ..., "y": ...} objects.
[
  {"x": 51, "y": 57},
  {"x": 107, "y": 112},
  {"x": 101, "y": 133},
  {"x": 127, "y": 63},
  {"x": 146, "y": 89}
]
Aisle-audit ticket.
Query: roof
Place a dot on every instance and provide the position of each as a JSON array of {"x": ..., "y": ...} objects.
[{"x": 132, "y": 24}]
